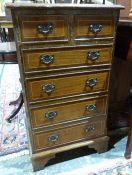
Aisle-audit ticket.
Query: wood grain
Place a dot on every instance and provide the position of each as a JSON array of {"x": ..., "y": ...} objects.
[
  {"x": 66, "y": 57},
  {"x": 82, "y": 24},
  {"x": 70, "y": 134},
  {"x": 29, "y": 24},
  {"x": 68, "y": 112},
  {"x": 68, "y": 85}
]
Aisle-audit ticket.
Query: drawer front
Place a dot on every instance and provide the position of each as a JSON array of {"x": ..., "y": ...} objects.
[
  {"x": 93, "y": 27},
  {"x": 85, "y": 131},
  {"x": 66, "y": 85},
  {"x": 42, "y": 117},
  {"x": 43, "y": 28},
  {"x": 56, "y": 58}
]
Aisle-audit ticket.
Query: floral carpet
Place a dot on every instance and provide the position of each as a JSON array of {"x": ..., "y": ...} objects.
[{"x": 13, "y": 136}]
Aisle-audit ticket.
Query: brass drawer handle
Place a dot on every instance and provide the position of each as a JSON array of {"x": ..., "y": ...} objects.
[
  {"x": 95, "y": 28},
  {"x": 46, "y": 59},
  {"x": 93, "y": 55},
  {"x": 50, "y": 115},
  {"x": 90, "y": 129},
  {"x": 45, "y": 28},
  {"x": 48, "y": 88},
  {"x": 90, "y": 107},
  {"x": 53, "y": 138},
  {"x": 91, "y": 82}
]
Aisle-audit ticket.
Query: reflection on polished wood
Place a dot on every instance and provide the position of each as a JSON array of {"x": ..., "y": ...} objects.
[
  {"x": 7, "y": 47},
  {"x": 8, "y": 52}
]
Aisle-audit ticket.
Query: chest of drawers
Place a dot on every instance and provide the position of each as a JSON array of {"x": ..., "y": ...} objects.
[{"x": 65, "y": 55}]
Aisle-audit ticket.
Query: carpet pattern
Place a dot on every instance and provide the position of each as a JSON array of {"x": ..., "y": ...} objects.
[
  {"x": 108, "y": 163},
  {"x": 118, "y": 166},
  {"x": 13, "y": 136},
  {"x": 120, "y": 169}
]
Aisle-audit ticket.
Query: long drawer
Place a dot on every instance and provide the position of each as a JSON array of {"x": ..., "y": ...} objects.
[
  {"x": 66, "y": 85},
  {"x": 83, "y": 131},
  {"x": 93, "y": 27},
  {"x": 46, "y": 59},
  {"x": 54, "y": 114},
  {"x": 43, "y": 28}
]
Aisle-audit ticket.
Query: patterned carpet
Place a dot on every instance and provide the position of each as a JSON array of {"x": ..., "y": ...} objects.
[
  {"x": 109, "y": 163},
  {"x": 12, "y": 136}
]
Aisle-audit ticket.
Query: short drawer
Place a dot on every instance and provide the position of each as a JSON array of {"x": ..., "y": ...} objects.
[
  {"x": 68, "y": 85},
  {"x": 43, "y": 28},
  {"x": 93, "y": 27},
  {"x": 84, "y": 131},
  {"x": 60, "y": 58},
  {"x": 49, "y": 116}
]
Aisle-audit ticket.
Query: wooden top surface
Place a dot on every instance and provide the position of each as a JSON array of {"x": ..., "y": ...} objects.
[
  {"x": 7, "y": 47},
  {"x": 62, "y": 5},
  {"x": 5, "y": 21},
  {"x": 2, "y": 16},
  {"x": 125, "y": 22}
]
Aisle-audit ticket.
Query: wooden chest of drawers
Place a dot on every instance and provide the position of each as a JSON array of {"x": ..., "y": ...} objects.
[{"x": 64, "y": 54}]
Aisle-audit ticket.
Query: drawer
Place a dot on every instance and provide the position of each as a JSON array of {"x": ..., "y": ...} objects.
[
  {"x": 68, "y": 85},
  {"x": 84, "y": 131},
  {"x": 43, "y": 28},
  {"x": 49, "y": 116},
  {"x": 67, "y": 57},
  {"x": 93, "y": 27}
]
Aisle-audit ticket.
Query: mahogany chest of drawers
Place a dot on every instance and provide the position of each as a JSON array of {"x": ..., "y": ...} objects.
[{"x": 65, "y": 55}]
